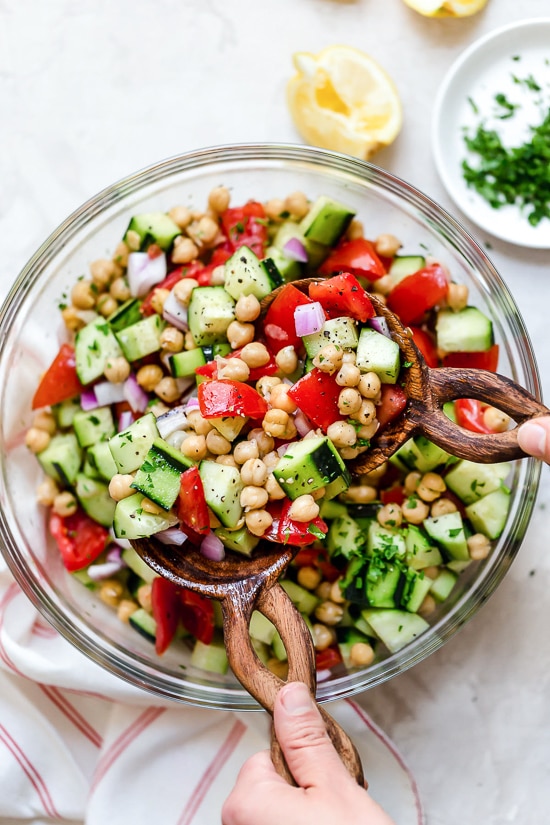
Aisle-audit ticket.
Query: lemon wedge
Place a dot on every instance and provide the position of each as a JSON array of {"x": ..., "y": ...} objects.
[
  {"x": 341, "y": 99},
  {"x": 446, "y": 8}
]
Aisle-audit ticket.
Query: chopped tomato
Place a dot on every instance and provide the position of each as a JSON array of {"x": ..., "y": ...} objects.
[
  {"x": 392, "y": 403},
  {"x": 197, "y": 615},
  {"x": 469, "y": 414},
  {"x": 279, "y": 325},
  {"x": 328, "y": 658},
  {"x": 393, "y": 495},
  {"x": 419, "y": 292},
  {"x": 343, "y": 295},
  {"x": 192, "y": 509},
  {"x": 166, "y": 606},
  {"x": 357, "y": 256},
  {"x": 246, "y": 226},
  {"x": 425, "y": 342},
  {"x": 317, "y": 557},
  {"x": 60, "y": 381},
  {"x": 316, "y": 394},
  {"x": 224, "y": 398},
  {"x": 299, "y": 532},
  {"x": 483, "y": 360},
  {"x": 210, "y": 369},
  {"x": 80, "y": 539}
]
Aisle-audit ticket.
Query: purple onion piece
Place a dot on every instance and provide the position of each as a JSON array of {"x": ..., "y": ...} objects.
[
  {"x": 108, "y": 393},
  {"x": 379, "y": 324},
  {"x": 125, "y": 419},
  {"x": 295, "y": 250},
  {"x": 309, "y": 318},
  {"x": 88, "y": 400},
  {"x": 145, "y": 272},
  {"x": 302, "y": 423},
  {"x": 172, "y": 421},
  {"x": 135, "y": 395},
  {"x": 175, "y": 312},
  {"x": 172, "y": 535},
  {"x": 212, "y": 547}
]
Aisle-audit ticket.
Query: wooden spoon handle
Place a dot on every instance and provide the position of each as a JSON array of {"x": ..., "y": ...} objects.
[{"x": 447, "y": 384}]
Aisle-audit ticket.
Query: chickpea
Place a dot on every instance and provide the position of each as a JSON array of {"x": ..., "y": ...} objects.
[
  {"x": 44, "y": 420},
  {"x": 278, "y": 668},
  {"x": 323, "y": 636},
  {"x": 149, "y": 376},
  {"x": 319, "y": 493},
  {"x": 254, "y": 471},
  {"x": 275, "y": 423},
  {"x": 83, "y": 294},
  {"x": 207, "y": 230},
  {"x": 265, "y": 384},
  {"x": 297, "y": 204},
  {"x": 182, "y": 290},
  {"x": 287, "y": 360},
  {"x": 442, "y": 506},
  {"x": 329, "y": 613},
  {"x": 431, "y": 486},
  {"x": 228, "y": 460},
  {"x": 274, "y": 489},
  {"x": 254, "y": 498},
  {"x": 412, "y": 480},
  {"x": 240, "y": 334},
  {"x": 219, "y": 198},
  {"x": 383, "y": 286},
  {"x": 111, "y": 592},
  {"x": 323, "y": 591},
  {"x": 336, "y": 593},
  {"x": 349, "y": 401},
  {"x": 390, "y": 515},
  {"x": 366, "y": 431},
  {"x": 387, "y": 245},
  {"x": 217, "y": 277},
  {"x": 217, "y": 444},
  {"x": 102, "y": 271},
  {"x": 125, "y": 609},
  {"x": 342, "y": 434},
  {"x": 271, "y": 460},
  {"x": 189, "y": 342},
  {"x": 245, "y": 451},
  {"x": 349, "y": 453},
  {"x": 64, "y": 504},
  {"x": 457, "y": 296},
  {"x": 71, "y": 319},
  {"x": 158, "y": 299},
  {"x": 414, "y": 510},
  {"x": 47, "y": 491},
  {"x": 428, "y": 606},
  {"x": 361, "y": 494},
  {"x": 348, "y": 375},
  {"x": 432, "y": 572},
  {"x": 355, "y": 230},
  {"x": 496, "y": 420},
  {"x": 120, "y": 486},
  {"x": 369, "y": 385},
  {"x": 184, "y": 251},
  {"x": 120, "y": 255},
  {"x": 151, "y": 507},
  {"x": 106, "y": 305},
  {"x": 329, "y": 358},
  {"x": 119, "y": 290},
  {"x": 280, "y": 399},
  {"x": 255, "y": 354},
  {"x": 247, "y": 309},
  {"x": 264, "y": 441},
  {"x": 274, "y": 208},
  {"x": 181, "y": 216},
  {"x": 117, "y": 370},
  {"x": 143, "y": 595},
  {"x": 258, "y": 521},
  {"x": 309, "y": 577},
  {"x": 479, "y": 546},
  {"x": 234, "y": 369},
  {"x": 303, "y": 508},
  {"x": 194, "y": 447},
  {"x": 361, "y": 654},
  {"x": 366, "y": 414},
  {"x": 132, "y": 240},
  {"x": 201, "y": 425},
  {"x": 172, "y": 339},
  {"x": 37, "y": 439},
  {"x": 167, "y": 389}
]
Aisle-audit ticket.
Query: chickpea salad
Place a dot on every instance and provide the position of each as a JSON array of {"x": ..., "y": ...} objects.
[{"x": 178, "y": 407}]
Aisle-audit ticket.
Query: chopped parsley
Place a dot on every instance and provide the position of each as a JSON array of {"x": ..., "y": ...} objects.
[{"x": 316, "y": 531}]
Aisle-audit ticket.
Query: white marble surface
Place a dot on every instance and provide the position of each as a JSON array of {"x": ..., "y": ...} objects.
[{"x": 91, "y": 90}]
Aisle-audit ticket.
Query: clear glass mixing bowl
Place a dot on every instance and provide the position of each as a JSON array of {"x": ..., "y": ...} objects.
[{"x": 31, "y": 330}]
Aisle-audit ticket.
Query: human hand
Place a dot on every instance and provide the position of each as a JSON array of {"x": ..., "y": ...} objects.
[
  {"x": 534, "y": 438},
  {"x": 326, "y": 793}
]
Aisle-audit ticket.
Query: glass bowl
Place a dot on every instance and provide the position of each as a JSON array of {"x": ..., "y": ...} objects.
[{"x": 31, "y": 331}]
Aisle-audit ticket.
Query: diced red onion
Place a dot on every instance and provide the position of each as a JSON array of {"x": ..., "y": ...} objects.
[
  {"x": 175, "y": 312},
  {"x": 192, "y": 403},
  {"x": 113, "y": 563},
  {"x": 323, "y": 675},
  {"x": 171, "y": 422},
  {"x": 135, "y": 395},
  {"x": 295, "y": 250},
  {"x": 86, "y": 315},
  {"x": 212, "y": 547},
  {"x": 145, "y": 272},
  {"x": 379, "y": 324},
  {"x": 282, "y": 449},
  {"x": 108, "y": 393},
  {"x": 309, "y": 318},
  {"x": 183, "y": 384},
  {"x": 172, "y": 535},
  {"x": 125, "y": 419},
  {"x": 115, "y": 554},
  {"x": 302, "y": 423},
  {"x": 88, "y": 400}
]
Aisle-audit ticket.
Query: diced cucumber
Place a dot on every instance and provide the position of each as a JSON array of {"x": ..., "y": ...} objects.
[
  {"x": 316, "y": 252},
  {"x": 420, "y": 553},
  {"x": 345, "y": 537},
  {"x": 420, "y": 454},
  {"x": 93, "y": 426},
  {"x": 468, "y": 330},
  {"x": 131, "y": 521},
  {"x": 130, "y": 446},
  {"x": 342, "y": 332},
  {"x": 154, "y": 228},
  {"x": 186, "y": 362},
  {"x": 94, "y": 497},
  {"x": 65, "y": 412},
  {"x": 441, "y": 587},
  {"x": 378, "y": 353},
  {"x": 261, "y": 628},
  {"x": 332, "y": 509},
  {"x": 471, "y": 481},
  {"x": 137, "y": 565},
  {"x": 211, "y": 310},
  {"x": 95, "y": 345},
  {"x": 416, "y": 588},
  {"x": 349, "y": 637},
  {"x": 222, "y": 491},
  {"x": 126, "y": 315},
  {"x": 385, "y": 589},
  {"x": 158, "y": 477},
  {"x": 240, "y": 541},
  {"x": 309, "y": 465},
  {"x": 395, "y": 628},
  {"x": 144, "y": 623},
  {"x": 141, "y": 339},
  {"x": 385, "y": 539},
  {"x": 326, "y": 221},
  {"x": 404, "y": 265},
  {"x": 489, "y": 514},
  {"x": 210, "y": 657},
  {"x": 279, "y": 650},
  {"x": 303, "y": 599},
  {"x": 61, "y": 459},
  {"x": 289, "y": 269},
  {"x": 448, "y": 531},
  {"x": 100, "y": 458},
  {"x": 245, "y": 274}
]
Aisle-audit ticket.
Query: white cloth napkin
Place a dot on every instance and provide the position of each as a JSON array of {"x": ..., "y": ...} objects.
[{"x": 79, "y": 746}]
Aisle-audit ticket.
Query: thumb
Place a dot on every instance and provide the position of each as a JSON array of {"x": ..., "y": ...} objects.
[
  {"x": 310, "y": 755},
  {"x": 534, "y": 438}
]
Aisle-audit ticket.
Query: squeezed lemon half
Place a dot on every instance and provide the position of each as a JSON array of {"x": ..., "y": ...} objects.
[
  {"x": 446, "y": 8},
  {"x": 342, "y": 99}
]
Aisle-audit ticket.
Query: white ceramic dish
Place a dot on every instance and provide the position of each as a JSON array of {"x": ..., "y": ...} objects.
[{"x": 467, "y": 96}]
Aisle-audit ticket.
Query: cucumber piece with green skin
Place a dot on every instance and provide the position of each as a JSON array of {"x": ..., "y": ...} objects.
[
  {"x": 404, "y": 265},
  {"x": 420, "y": 454},
  {"x": 131, "y": 521},
  {"x": 448, "y": 531},
  {"x": 379, "y": 354},
  {"x": 159, "y": 475},
  {"x": 345, "y": 537},
  {"x": 246, "y": 274},
  {"x": 384, "y": 590},
  {"x": 342, "y": 332},
  {"x": 144, "y": 623},
  {"x": 62, "y": 458},
  {"x": 349, "y": 637},
  {"x": 388, "y": 541},
  {"x": 420, "y": 552},
  {"x": 130, "y": 446},
  {"x": 289, "y": 270},
  {"x": 141, "y": 339},
  {"x": 240, "y": 541},
  {"x": 100, "y": 458},
  {"x": 154, "y": 228},
  {"x": 212, "y": 657},
  {"x": 261, "y": 629},
  {"x": 326, "y": 221},
  {"x": 303, "y": 599},
  {"x": 332, "y": 509},
  {"x": 186, "y": 362},
  {"x": 211, "y": 310},
  {"x": 95, "y": 345},
  {"x": 471, "y": 481},
  {"x": 222, "y": 490},
  {"x": 94, "y": 497},
  {"x": 279, "y": 650},
  {"x": 309, "y": 465},
  {"x": 465, "y": 330},
  {"x": 137, "y": 565},
  {"x": 489, "y": 514},
  {"x": 395, "y": 628},
  {"x": 316, "y": 252},
  {"x": 441, "y": 587},
  {"x": 64, "y": 413},
  {"x": 93, "y": 426},
  {"x": 415, "y": 589},
  {"x": 126, "y": 315}
]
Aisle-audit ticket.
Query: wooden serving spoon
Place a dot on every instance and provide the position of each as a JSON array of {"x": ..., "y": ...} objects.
[{"x": 428, "y": 389}]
